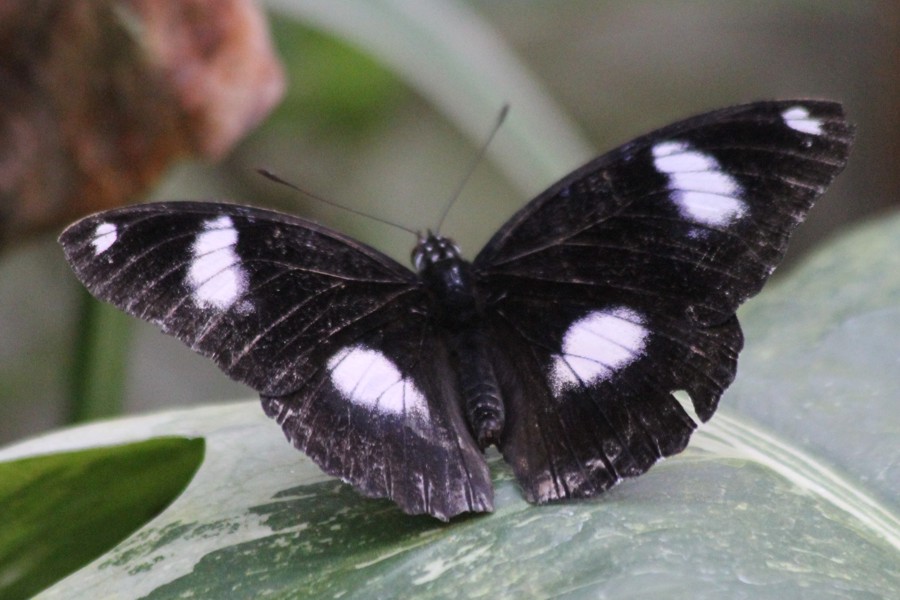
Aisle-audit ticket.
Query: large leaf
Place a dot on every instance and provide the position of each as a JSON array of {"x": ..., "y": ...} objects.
[
  {"x": 64, "y": 509},
  {"x": 791, "y": 491},
  {"x": 822, "y": 364}
]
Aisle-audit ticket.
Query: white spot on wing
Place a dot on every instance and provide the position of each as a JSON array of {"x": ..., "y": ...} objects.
[
  {"x": 105, "y": 236},
  {"x": 215, "y": 275},
  {"x": 797, "y": 118},
  {"x": 369, "y": 379},
  {"x": 677, "y": 157},
  {"x": 598, "y": 345},
  {"x": 699, "y": 188}
]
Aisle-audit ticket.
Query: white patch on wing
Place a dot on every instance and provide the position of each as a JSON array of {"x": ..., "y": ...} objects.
[
  {"x": 371, "y": 380},
  {"x": 105, "y": 236},
  {"x": 798, "y": 119},
  {"x": 598, "y": 345},
  {"x": 215, "y": 276},
  {"x": 699, "y": 188}
]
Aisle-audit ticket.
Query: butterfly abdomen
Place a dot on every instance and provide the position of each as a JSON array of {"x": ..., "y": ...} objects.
[
  {"x": 458, "y": 314},
  {"x": 478, "y": 386}
]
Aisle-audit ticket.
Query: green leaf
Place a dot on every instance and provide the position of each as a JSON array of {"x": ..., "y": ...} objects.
[
  {"x": 821, "y": 364},
  {"x": 97, "y": 374},
  {"x": 348, "y": 97},
  {"x": 61, "y": 511},
  {"x": 781, "y": 495}
]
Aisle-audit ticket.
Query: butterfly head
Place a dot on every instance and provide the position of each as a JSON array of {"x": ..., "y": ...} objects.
[{"x": 432, "y": 249}]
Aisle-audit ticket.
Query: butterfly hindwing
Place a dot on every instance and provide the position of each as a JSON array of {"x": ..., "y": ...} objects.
[
  {"x": 618, "y": 286},
  {"x": 589, "y": 391},
  {"x": 384, "y": 415},
  {"x": 331, "y": 333}
]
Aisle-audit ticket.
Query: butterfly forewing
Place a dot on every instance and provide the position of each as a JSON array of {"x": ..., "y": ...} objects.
[
  {"x": 261, "y": 293},
  {"x": 618, "y": 285},
  {"x": 695, "y": 214},
  {"x": 329, "y": 331}
]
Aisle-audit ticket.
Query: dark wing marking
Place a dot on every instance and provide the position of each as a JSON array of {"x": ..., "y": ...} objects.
[{"x": 672, "y": 231}]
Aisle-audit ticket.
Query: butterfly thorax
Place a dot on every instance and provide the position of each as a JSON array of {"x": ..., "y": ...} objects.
[
  {"x": 448, "y": 278},
  {"x": 458, "y": 311}
]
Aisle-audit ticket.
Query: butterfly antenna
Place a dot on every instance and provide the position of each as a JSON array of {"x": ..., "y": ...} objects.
[
  {"x": 471, "y": 169},
  {"x": 270, "y": 175}
]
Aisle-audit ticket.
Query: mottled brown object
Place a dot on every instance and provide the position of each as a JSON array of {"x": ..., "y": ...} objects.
[{"x": 98, "y": 97}]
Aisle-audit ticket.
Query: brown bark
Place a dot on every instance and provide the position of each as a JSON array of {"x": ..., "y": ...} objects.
[{"x": 98, "y": 97}]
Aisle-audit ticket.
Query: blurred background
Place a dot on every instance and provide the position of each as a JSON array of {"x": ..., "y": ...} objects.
[{"x": 384, "y": 105}]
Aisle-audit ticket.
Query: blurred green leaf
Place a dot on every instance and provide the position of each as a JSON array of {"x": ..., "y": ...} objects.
[
  {"x": 98, "y": 371},
  {"x": 744, "y": 512},
  {"x": 61, "y": 511},
  {"x": 334, "y": 87},
  {"x": 448, "y": 54}
]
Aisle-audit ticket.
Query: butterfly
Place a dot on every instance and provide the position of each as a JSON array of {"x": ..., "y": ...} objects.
[{"x": 561, "y": 343}]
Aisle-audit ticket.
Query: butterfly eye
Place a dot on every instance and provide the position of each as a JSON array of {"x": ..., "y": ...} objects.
[
  {"x": 418, "y": 257},
  {"x": 448, "y": 249}
]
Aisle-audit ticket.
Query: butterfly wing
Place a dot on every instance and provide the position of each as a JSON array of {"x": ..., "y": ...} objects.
[
  {"x": 384, "y": 415},
  {"x": 331, "y": 333},
  {"x": 619, "y": 284}
]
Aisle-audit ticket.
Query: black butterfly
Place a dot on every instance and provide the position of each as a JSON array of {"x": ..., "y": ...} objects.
[{"x": 561, "y": 343}]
